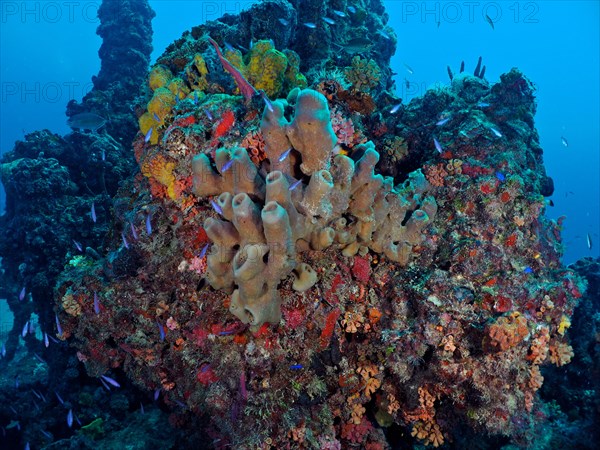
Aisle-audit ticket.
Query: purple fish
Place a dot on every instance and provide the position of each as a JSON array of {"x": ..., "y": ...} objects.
[
  {"x": 27, "y": 446},
  {"x": 142, "y": 409},
  {"x": 70, "y": 418},
  {"x": 227, "y": 165},
  {"x": 77, "y": 245},
  {"x": 96, "y": 304},
  {"x": 62, "y": 402},
  {"x": 161, "y": 331},
  {"x": 204, "y": 250},
  {"x": 294, "y": 185},
  {"x": 216, "y": 207},
  {"x": 125, "y": 243},
  {"x": 133, "y": 231},
  {"x": 148, "y": 225},
  {"x": 438, "y": 147},
  {"x": 106, "y": 386},
  {"x": 285, "y": 154},
  {"x": 39, "y": 358},
  {"x": 243, "y": 390},
  {"x": 148, "y": 135},
  {"x": 31, "y": 327},
  {"x": 58, "y": 327},
  {"x": 45, "y": 433},
  {"x": 110, "y": 380},
  {"x": 22, "y": 294},
  {"x": 246, "y": 89},
  {"x": 93, "y": 212}
]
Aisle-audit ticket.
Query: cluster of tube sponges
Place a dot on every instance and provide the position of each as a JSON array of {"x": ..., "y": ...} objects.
[{"x": 311, "y": 199}]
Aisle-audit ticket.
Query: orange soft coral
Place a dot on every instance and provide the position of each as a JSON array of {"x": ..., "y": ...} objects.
[{"x": 160, "y": 169}]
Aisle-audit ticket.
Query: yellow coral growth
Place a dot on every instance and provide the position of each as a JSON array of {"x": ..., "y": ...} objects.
[
  {"x": 159, "y": 77},
  {"x": 162, "y": 103},
  {"x": 161, "y": 170},
  {"x": 147, "y": 121},
  {"x": 196, "y": 73},
  {"x": 178, "y": 87},
  {"x": 565, "y": 323}
]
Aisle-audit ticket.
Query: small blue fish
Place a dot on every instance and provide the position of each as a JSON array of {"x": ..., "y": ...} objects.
[
  {"x": 148, "y": 135},
  {"x": 339, "y": 13},
  {"x": 142, "y": 412},
  {"x": 438, "y": 146},
  {"x": 285, "y": 154},
  {"x": 496, "y": 132},
  {"x": 296, "y": 367},
  {"x": 125, "y": 243},
  {"x": 294, "y": 185},
  {"x": 96, "y": 304},
  {"x": 208, "y": 114},
  {"x": 227, "y": 165},
  {"x": 3, "y": 351},
  {"x": 328, "y": 20},
  {"x": 110, "y": 380},
  {"x": 93, "y": 212},
  {"x": 25, "y": 329},
  {"x": 148, "y": 225},
  {"x": 195, "y": 97},
  {"x": 45, "y": 433},
  {"x": 27, "y": 447},
  {"x": 395, "y": 109},
  {"x": 310, "y": 25},
  {"x": 22, "y": 294},
  {"x": 58, "y": 327},
  {"x": 268, "y": 102},
  {"x": 216, "y": 207},
  {"x": 564, "y": 141},
  {"x": 204, "y": 250},
  {"x": 284, "y": 22},
  {"x": 483, "y": 105},
  {"x": 39, "y": 358},
  {"x": 46, "y": 341},
  {"x": 226, "y": 333},
  {"x": 156, "y": 394},
  {"x": 103, "y": 155},
  {"x": 133, "y": 231},
  {"x": 528, "y": 269},
  {"x": 500, "y": 176},
  {"x": 351, "y": 9},
  {"x": 161, "y": 331},
  {"x": 384, "y": 35},
  {"x": 156, "y": 117},
  {"x": 443, "y": 122},
  {"x": 70, "y": 418},
  {"x": 61, "y": 401},
  {"x": 589, "y": 241},
  {"x": 77, "y": 245},
  {"x": 106, "y": 386}
]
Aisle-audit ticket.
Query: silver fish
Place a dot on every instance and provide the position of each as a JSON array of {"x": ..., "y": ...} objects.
[
  {"x": 148, "y": 135},
  {"x": 339, "y": 13},
  {"x": 93, "y": 212},
  {"x": 442, "y": 122},
  {"x": 589, "y": 241},
  {"x": 395, "y": 109},
  {"x": 310, "y": 25},
  {"x": 409, "y": 69},
  {"x": 328, "y": 20},
  {"x": 356, "y": 45},
  {"x": 496, "y": 132},
  {"x": 490, "y": 21},
  {"x": 438, "y": 146},
  {"x": 564, "y": 141}
]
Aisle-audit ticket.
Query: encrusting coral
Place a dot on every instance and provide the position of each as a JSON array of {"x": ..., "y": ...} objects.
[{"x": 255, "y": 247}]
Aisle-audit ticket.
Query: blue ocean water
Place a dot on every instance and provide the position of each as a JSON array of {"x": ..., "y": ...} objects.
[{"x": 555, "y": 43}]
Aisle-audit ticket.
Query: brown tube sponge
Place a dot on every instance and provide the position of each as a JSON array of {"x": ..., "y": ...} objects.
[
  {"x": 247, "y": 221},
  {"x": 311, "y": 132},
  {"x": 304, "y": 278}
]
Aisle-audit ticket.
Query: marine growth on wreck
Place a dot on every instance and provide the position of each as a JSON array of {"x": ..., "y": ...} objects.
[{"x": 303, "y": 261}]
